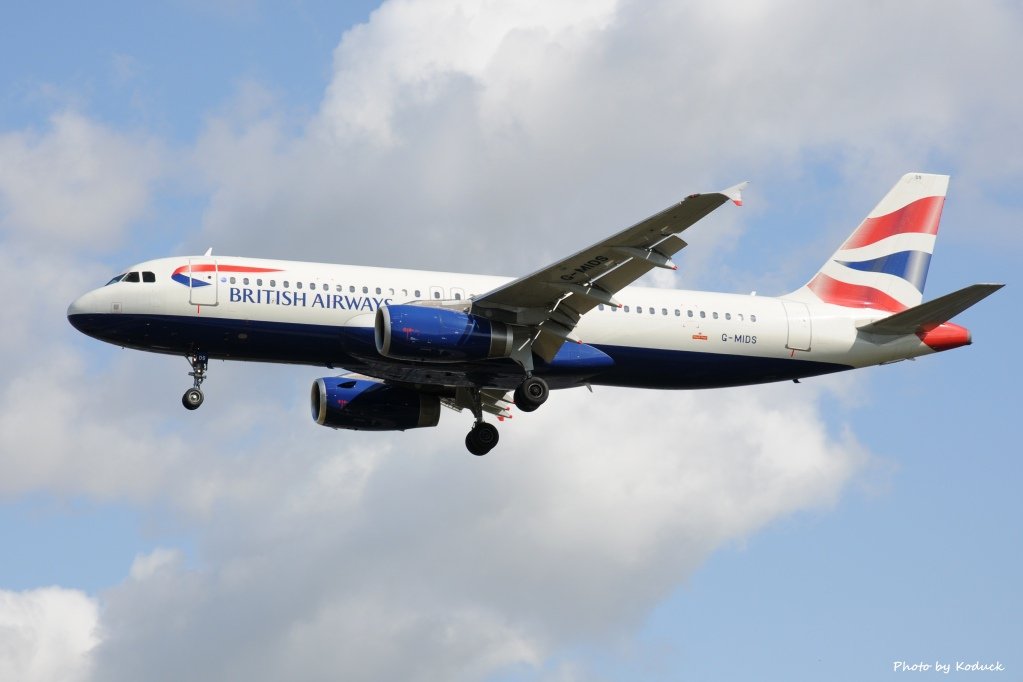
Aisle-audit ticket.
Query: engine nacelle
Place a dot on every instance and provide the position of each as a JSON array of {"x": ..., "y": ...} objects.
[
  {"x": 412, "y": 332},
  {"x": 360, "y": 405}
]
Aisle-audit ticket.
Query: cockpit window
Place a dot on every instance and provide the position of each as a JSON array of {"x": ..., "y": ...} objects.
[
  {"x": 131, "y": 277},
  {"x": 115, "y": 280},
  {"x": 148, "y": 277}
]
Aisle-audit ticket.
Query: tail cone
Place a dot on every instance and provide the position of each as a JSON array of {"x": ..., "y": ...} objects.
[{"x": 945, "y": 336}]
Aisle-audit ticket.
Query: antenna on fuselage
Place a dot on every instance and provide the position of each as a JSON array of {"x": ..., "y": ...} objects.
[{"x": 209, "y": 252}]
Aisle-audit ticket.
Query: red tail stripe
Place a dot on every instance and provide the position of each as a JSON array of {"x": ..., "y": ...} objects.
[
  {"x": 848, "y": 295},
  {"x": 921, "y": 216}
]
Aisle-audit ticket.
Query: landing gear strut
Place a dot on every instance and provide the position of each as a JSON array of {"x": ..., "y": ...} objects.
[
  {"x": 193, "y": 397},
  {"x": 531, "y": 394},
  {"x": 483, "y": 437}
]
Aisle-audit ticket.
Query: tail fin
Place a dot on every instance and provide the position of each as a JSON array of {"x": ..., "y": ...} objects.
[{"x": 883, "y": 264}]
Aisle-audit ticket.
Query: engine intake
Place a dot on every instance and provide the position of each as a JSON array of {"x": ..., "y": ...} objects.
[
  {"x": 361, "y": 405},
  {"x": 411, "y": 332}
]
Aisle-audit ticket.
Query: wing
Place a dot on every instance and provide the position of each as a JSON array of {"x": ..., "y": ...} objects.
[{"x": 551, "y": 301}]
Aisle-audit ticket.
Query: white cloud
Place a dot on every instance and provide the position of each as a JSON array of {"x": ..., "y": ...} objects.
[
  {"x": 47, "y": 634},
  {"x": 146, "y": 565},
  {"x": 77, "y": 185},
  {"x": 423, "y": 562},
  {"x": 375, "y": 75}
]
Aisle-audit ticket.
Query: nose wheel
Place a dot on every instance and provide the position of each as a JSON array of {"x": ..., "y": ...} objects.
[{"x": 193, "y": 397}]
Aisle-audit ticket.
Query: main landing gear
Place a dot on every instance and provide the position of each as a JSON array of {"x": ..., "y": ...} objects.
[
  {"x": 483, "y": 437},
  {"x": 193, "y": 397},
  {"x": 531, "y": 394}
]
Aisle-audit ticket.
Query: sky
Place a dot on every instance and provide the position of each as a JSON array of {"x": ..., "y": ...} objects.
[{"x": 827, "y": 530}]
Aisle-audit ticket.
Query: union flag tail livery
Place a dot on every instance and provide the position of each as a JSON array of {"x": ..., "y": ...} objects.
[
  {"x": 883, "y": 264},
  {"x": 414, "y": 341}
]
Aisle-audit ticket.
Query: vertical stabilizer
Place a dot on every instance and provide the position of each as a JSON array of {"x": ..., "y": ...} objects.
[{"x": 883, "y": 264}]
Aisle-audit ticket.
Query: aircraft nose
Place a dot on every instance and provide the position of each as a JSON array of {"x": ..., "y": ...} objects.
[
  {"x": 82, "y": 309},
  {"x": 83, "y": 305}
]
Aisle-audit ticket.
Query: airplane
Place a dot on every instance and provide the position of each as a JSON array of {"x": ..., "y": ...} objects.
[{"x": 411, "y": 341}]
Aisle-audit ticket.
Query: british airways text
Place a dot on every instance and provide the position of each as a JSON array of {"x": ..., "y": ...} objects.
[{"x": 304, "y": 299}]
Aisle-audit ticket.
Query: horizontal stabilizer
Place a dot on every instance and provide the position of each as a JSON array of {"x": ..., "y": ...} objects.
[{"x": 932, "y": 313}]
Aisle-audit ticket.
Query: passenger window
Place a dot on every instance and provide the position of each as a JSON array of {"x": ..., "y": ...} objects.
[
  {"x": 378, "y": 290},
  {"x": 741, "y": 318},
  {"x": 245, "y": 281},
  {"x": 365, "y": 290},
  {"x": 752, "y": 318},
  {"x": 404, "y": 292},
  {"x": 298, "y": 285},
  {"x": 391, "y": 290},
  {"x": 600, "y": 307},
  {"x": 273, "y": 283},
  {"x": 703, "y": 314},
  {"x": 678, "y": 313},
  {"x": 351, "y": 289},
  {"x": 436, "y": 294},
  {"x": 259, "y": 282},
  {"x": 689, "y": 313},
  {"x": 326, "y": 287},
  {"x": 652, "y": 311},
  {"x": 626, "y": 308},
  {"x": 639, "y": 309},
  {"x": 664, "y": 311},
  {"x": 418, "y": 295},
  {"x": 728, "y": 316},
  {"x": 148, "y": 277},
  {"x": 339, "y": 288},
  {"x": 458, "y": 296},
  {"x": 285, "y": 284},
  {"x": 715, "y": 316}
]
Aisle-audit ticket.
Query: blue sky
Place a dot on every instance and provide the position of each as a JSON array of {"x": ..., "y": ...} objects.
[{"x": 792, "y": 532}]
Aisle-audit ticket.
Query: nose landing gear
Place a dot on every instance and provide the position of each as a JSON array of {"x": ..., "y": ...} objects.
[{"x": 193, "y": 397}]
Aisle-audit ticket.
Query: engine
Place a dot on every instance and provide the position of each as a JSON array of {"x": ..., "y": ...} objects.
[
  {"x": 411, "y": 332},
  {"x": 361, "y": 405}
]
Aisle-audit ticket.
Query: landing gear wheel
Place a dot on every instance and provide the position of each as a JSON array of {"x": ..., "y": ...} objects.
[
  {"x": 482, "y": 438},
  {"x": 531, "y": 394},
  {"x": 192, "y": 399}
]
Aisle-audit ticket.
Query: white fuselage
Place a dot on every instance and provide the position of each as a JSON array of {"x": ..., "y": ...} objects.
[{"x": 244, "y": 299}]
